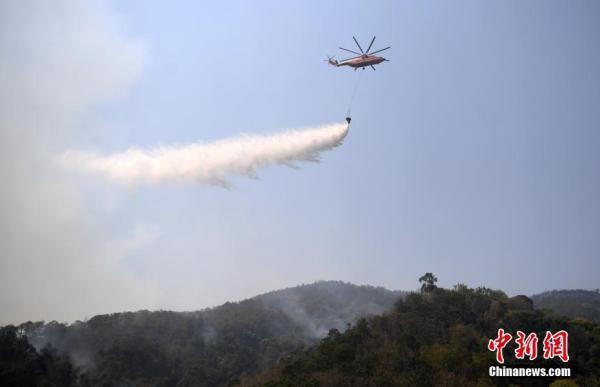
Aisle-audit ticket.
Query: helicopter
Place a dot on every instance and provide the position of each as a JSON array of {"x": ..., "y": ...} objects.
[{"x": 363, "y": 59}]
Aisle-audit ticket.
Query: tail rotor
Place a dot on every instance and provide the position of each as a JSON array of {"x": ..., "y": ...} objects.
[{"x": 332, "y": 61}]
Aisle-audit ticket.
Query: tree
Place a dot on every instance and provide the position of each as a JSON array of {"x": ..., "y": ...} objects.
[
  {"x": 22, "y": 365},
  {"x": 428, "y": 281},
  {"x": 434, "y": 339}
]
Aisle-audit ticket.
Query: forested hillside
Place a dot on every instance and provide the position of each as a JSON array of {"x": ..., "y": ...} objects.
[
  {"x": 206, "y": 348},
  {"x": 571, "y": 303},
  {"x": 22, "y": 365},
  {"x": 300, "y": 337},
  {"x": 437, "y": 337}
]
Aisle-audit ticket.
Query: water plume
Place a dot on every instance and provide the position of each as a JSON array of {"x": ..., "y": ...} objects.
[{"x": 211, "y": 162}]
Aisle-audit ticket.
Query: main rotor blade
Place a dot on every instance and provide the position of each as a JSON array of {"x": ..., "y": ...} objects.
[
  {"x": 373, "y": 67},
  {"x": 354, "y": 57},
  {"x": 345, "y": 49},
  {"x": 370, "y": 44},
  {"x": 361, "y": 50},
  {"x": 383, "y": 49}
]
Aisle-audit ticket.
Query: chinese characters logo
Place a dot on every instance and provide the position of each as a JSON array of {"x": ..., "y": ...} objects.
[{"x": 554, "y": 345}]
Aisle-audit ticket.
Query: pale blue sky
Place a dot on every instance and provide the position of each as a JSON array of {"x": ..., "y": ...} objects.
[{"x": 473, "y": 153}]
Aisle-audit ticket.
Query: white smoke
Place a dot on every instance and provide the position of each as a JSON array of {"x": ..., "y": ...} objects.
[
  {"x": 210, "y": 163},
  {"x": 59, "y": 60}
]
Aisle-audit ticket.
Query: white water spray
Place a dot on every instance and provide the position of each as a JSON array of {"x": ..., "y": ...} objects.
[{"x": 209, "y": 163}]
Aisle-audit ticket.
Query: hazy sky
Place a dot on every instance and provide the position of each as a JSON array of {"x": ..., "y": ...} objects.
[{"x": 473, "y": 153}]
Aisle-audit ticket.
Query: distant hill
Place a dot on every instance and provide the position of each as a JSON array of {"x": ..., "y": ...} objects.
[
  {"x": 437, "y": 338},
  {"x": 211, "y": 347},
  {"x": 571, "y": 303},
  {"x": 301, "y": 336},
  {"x": 325, "y": 305}
]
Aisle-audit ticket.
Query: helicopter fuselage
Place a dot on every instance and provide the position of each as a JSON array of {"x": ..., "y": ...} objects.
[
  {"x": 363, "y": 61},
  {"x": 360, "y": 62}
]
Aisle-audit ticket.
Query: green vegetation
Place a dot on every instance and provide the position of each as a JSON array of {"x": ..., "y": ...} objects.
[
  {"x": 571, "y": 303},
  {"x": 323, "y": 334},
  {"x": 207, "y": 348},
  {"x": 428, "y": 281},
  {"x": 437, "y": 338},
  {"x": 22, "y": 366}
]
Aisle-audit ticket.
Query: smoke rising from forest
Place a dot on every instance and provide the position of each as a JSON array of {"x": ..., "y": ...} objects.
[{"x": 210, "y": 163}]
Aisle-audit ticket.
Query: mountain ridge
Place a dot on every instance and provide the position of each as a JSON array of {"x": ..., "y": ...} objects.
[
  {"x": 229, "y": 343},
  {"x": 217, "y": 345}
]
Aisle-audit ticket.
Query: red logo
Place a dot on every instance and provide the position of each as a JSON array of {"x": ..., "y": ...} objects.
[
  {"x": 554, "y": 345},
  {"x": 499, "y": 343},
  {"x": 527, "y": 346}
]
